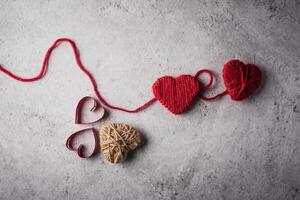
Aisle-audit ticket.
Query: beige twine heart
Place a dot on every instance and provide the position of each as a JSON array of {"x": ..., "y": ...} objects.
[{"x": 116, "y": 140}]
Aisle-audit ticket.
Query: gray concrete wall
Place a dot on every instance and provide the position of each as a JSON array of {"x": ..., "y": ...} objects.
[{"x": 218, "y": 150}]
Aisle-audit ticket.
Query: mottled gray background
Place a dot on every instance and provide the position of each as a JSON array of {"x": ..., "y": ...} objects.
[{"x": 218, "y": 150}]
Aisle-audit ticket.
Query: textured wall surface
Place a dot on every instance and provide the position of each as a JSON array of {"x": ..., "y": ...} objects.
[{"x": 217, "y": 150}]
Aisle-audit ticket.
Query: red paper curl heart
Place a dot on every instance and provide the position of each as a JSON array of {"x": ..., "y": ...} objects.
[
  {"x": 96, "y": 108},
  {"x": 78, "y": 120},
  {"x": 241, "y": 80},
  {"x": 81, "y": 148}
]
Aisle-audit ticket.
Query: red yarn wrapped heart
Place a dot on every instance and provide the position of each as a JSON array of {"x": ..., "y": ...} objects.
[
  {"x": 176, "y": 94},
  {"x": 241, "y": 80}
]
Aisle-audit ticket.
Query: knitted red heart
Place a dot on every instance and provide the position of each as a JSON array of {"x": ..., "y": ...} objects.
[
  {"x": 241, "y": 80},
  {"x": 176, "y": 94}
]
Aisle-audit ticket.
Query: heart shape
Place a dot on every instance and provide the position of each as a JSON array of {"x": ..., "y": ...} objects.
[
  {"x": 176, "y": 94},
  {"x": 241, "y": 80},
  {"x": 81, "y": 148},
  {"x": 116, "y": 140},
  {"x": 97, "y": 108}
]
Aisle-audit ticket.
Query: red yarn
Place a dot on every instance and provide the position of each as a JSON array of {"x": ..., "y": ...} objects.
[
  {"x": 82, "y": 68},
  {"x": 211, "y": 77},
  {"x": 241, "y": 80},
  {"x": 176, "y": 94}
]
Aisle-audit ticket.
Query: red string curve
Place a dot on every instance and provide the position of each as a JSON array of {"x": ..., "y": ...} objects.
[
  {"x": 207, "y": 86},
  {"x": 81, "y": 67}
]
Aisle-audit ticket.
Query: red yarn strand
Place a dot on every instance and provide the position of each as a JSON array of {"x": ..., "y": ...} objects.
[
  {"x": 81, "y": 67},
  {"x": 214, "y": 97},
  {"x": 206, "y": 87}
]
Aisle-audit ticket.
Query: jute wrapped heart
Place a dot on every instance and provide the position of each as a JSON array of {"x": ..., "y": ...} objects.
[{"x": 116, "y": 140}]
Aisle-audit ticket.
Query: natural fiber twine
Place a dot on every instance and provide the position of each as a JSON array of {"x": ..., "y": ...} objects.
[{"x": 116, "y": 140}]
